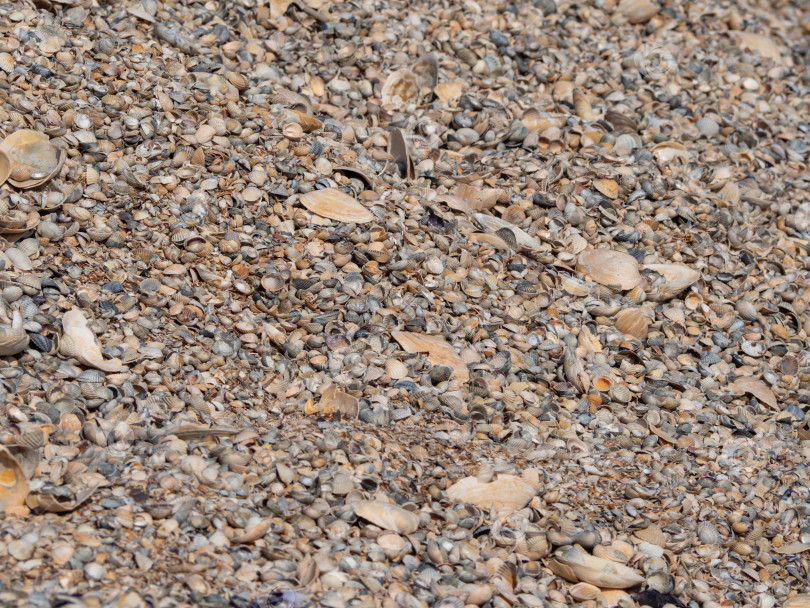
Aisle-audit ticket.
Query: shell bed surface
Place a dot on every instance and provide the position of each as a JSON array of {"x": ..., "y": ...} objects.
[{"x": 404, "y": 304}]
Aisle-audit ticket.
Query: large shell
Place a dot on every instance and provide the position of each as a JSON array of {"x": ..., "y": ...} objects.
[
  {"x": 336, "y": 205},
  {"x": 632, "y": 321},
  {"x": 576, "y": 566},
  {"x": 5, "y": 167},
  {"x": 87, "y": 352},
  {"x": 449, "y": 91},
  {"x": 677, "y": 277},
  {"x": 401, "y": 87},
  {"x": 757, "y": 388},
  {"x": 439, "y": 352},
  {"x": 13, "y": 484},
  {"x": 608, "y": 267},
  {"x": 493, "y": 224},
  {"x": 426, "y": 70},
  {"x": 505, "y": 494},
  {"x": 387, "y": 516},
  {"x": 34, "y": 160}
]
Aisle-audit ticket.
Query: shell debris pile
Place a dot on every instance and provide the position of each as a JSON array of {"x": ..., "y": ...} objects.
[{"x": 404, "y": 304}]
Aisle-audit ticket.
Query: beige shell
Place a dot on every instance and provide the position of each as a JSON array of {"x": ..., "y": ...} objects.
[
  {"x": 13, "y": 484},
  {"x": 493, "y": 224},
  {"x": 396, "y": 369},
  {"x": 336, "y": 205},
  {"x": 633, "y": 321},
  {"x": 401, "y": 87},
  {"x": 608, "y": 267},
  {"x": 505, "y": 494},
  {"x": 758, "y": 389},
  {"x": 473, "y": 198},
  {"x": 575, "y": 565},
  {"x": 638, "y": 11},
  {"x": 798, "y": 601},
  {"x": 608, "y": 187},
  {"x": 584, "y": 591},
  {"x": 439, "y": 352},
  {"x": 387, "y": 516},
  {"x": 582, "y": 106},
  {"x": 677, "y": 277},
  {"x": 308, "y": 123},
  {"x": 761, "y": 44},
  {"x": 88, "y": 352},
  {"x": 450, "y": 91},
  {"x": 652, "y": 534},
  {"x": 36, "y": 158},
  {"x": 5, "y": 168},
  {"x": 13, "y": 338}
]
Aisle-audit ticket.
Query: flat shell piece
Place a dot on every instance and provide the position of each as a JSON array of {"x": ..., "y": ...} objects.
[
  {"x": 493, "y": 224},
  {"x": 336, "y": 205},
  {"x": 439, "y": 352},
  {"x": 608, "y": 267},
  {"x": 387, "y": 516},
  {"x": 757, "y": 388},
  {"x": 505, "y": 494}
]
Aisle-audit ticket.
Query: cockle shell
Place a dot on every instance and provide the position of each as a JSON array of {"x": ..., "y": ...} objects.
[
  {"x": 34, "y": 160},
  {"x": 13, "y": 338}
]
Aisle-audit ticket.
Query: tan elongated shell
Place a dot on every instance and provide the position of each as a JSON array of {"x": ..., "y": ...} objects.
[
  {"x": 387, "y": 516},
  {"x": 632, "y": 321},
  {"x": 505, "y": 494},
  {"x": 608, "y": 267},
  {"x": 677, "y": 277},
  {"x": 398, "y": 148},
  {"x": 439, "y": 352},
  {"x": 13, "y": 484},
  {"x": 493, "y": 224},
  {"x": 798, "y": 601},
  {"x": 336, "y": 205},
  {"x": 575, "y": 565}
]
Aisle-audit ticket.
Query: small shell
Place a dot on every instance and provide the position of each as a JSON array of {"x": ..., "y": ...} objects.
[
  {"x": 396, "y": 369},
  {"x": 708, "y": 534},
  {"x": 632, "y": 321},
  {"x": 621, "y": 393},
  {"x": 747, "y": 310}
]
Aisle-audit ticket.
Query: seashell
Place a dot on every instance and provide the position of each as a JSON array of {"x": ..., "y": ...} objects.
[
  {"x": 439, "y": 352},
  {"x": 116, "y": 239},
  {"x": 761, "y": 44},
  {"x": 40, "y": 342},
  {"x": 293, "y": 131},
  {"x": 652, "y": 534},
  {"x": 801, "y": 600},
  {"x": 426, "y": 70},
  {"x": 440, "y": 373},
  {"x": 449, "y": 91},
  {"x": 708, "y": 534},
  {"x": 758, "y": 389},
  {"x": 308, "y": 123},
  {"x": 387, "y": 516},
  {"x": 13, "y": 338},
  {"x": 398, "y": 148},
  {"x": 632, "y": 321},
  {"x": 493, "y": 224},
  {"x": 621, "y": 393},
  {"x": 5, "y": 168},
  {"x": 574, "y": 286},
  {"x": 608, "y": 267},
  {"x": 505, "y": 494},
  {"x": 237, "y": 80},
  {"x": 401, "y": 87},
  {"x": 638, "y": 11},
  {"x": 19, "y": 259},
  {"x": 337, "y": 205},
  {"x": 574, "y": 565},
  {"x": 507, "y": 235},
  {"x": 746, "y": 310},
  {"x": 88, "y": 352},
  {"x": 51, "y": 231},
  {"x": 396, "y": 369},
  {"x": 676, "y": 278},
  {"x": 32, "y": 153},
  {"x": 584, "y": 591},
  {"x": 13, "y": 483},
  {"x": 608, "y": 187},
  {"x": 6, "y": 63},
  {"x": 582, "y": 107}
]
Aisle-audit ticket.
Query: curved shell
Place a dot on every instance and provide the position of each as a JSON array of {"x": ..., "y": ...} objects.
[
  {"x": 88, "y": 352},
  {"x": 399, "y": 88},
  {"x": 426, "y": 70},
  {"x": 5, "y": 168},
  {"x": 677, "y": 277},
  {"x": 576, "y": 566},
  {"x": 336, "y": 205},
  {"x": 608, "y": 267},
  {"x": 505, "y": 494},
  {"x": 396, "y": 369},
  {"x": 13, "y": 484},
  {"x": 494, "y": 224},
  {"x": 387, "y": 516},
  {"x": 632, "y": 321},
  {"x": 13, "y": 338},
  {"x": 439, "y": 352},
  {"x": 34, "y": 160}
]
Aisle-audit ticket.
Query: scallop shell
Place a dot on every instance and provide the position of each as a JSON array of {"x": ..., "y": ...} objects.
[
  {"x": 608, "y": 187},
  {"x": 387, "y": 516},
  {"x": 652, "y": 534},
  {"x": 31, "y": 151},
  {"x": 336, "y": 205},
  {"x": 505, "y": 494},
  {"x": 574, "y": 565},
  {"x": 677, "y": 277},
  {"x": 747, "y": 310},
  {"x": 396, "y": 369},
  {"x": 608, "y": 267}
]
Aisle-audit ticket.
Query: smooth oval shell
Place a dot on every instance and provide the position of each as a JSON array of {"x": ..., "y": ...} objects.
[
  {"x": 505, "y": 494},
  {"x": 32, "y": 152},
  {"x": 677, "y": 277},
  {"x": 336, "y": 205},
  {"x": 576, "y": 566},
  {"x": 608, "y": 267},
  {"x": 387, "y": 516},
  {"x": 632, "y": 321}
]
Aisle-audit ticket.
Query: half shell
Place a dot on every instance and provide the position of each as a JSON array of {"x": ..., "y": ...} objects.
[
  {"x": 608, "y": 267},
  {"x": 88, "y": 352},
  {"x": 439, "y": 352},
  {"x": 336, "y": 205},
  {"x": 13, "y": 484},
  {"x": 573, "y": 564},
  {"x": 505, "y": 494},
  {"x": 33, "y": 159},
  {"x": 493, "y": 224},
  {"x": 387, "y": 516},
  {"x": 677, "y": 277}
]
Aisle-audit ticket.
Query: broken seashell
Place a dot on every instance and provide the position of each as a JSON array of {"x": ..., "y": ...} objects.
[
  {"x": 505, "y": 494},
  {"x": 34, "y": 160},
  {"x": 87, "y": 350},
  {"x": 608, "y": 267},
  {"x": 575, "y": 565},
  {"x": 387, "y": 516}
]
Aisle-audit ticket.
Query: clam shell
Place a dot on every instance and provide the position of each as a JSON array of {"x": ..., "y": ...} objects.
[
  {"x": 401, "y": 87},
  {"x": 677, "y": 277},
  {"x": 638, "y": 11},
  {"x": 88, "y": 352},
  {"x": 449, "y": 91},
  {"x": 632, "y": 321},
  {"x": 336, "y": 205},
  {"x": 473, "y": 198},
  {"x": 426, "y": 70},
  {"x": 574, "y": 565},
  {"x": 757, "y": 388},
  {"x": 18, "y": 259},
  {"x": 387, "y": 516},
  {"x": 493, "y": 224},
  {"x": 32, "y": 150},
  {"x": 13, "y": 338},
  {"x": 5, "y": 168},
  {"x": 608, "y": 267},
  {"x": 398, "y": 148},
  {"x": 505, "y": 494},
  {"x": 708, "y": 534}
]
